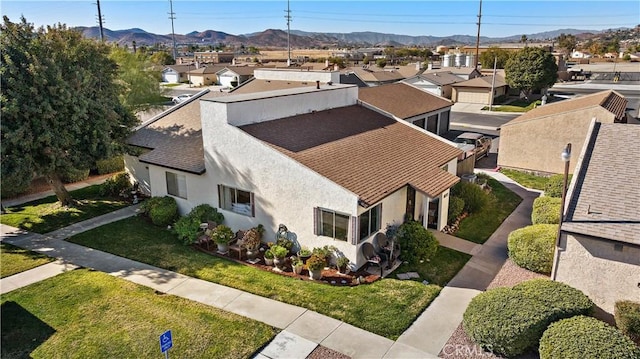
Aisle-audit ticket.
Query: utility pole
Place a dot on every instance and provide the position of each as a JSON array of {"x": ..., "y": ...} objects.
[
  {"x": 288, "y": 17},
  {"x": 173, "y": 34},
  {"x": 493, "y": 82},
  {"x": 478, "y": 37},
  {"x": 100, "y": 21}
]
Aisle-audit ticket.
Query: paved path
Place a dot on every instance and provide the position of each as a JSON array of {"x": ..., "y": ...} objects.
[{"x": 302, "y": 329}]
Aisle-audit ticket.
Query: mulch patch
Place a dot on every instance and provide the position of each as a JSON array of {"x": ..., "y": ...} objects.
[{"x": 330, "y": 276}]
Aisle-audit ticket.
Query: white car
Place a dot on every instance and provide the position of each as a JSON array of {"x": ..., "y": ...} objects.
[{"x": 181, "y": 98}]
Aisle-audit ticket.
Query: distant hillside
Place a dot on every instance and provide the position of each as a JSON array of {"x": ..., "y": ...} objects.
[{"x": 278, "y": 38}]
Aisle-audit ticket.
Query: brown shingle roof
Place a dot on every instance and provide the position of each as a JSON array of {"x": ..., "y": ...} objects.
[
  {"x": 256, "y": 85},
  {"x": 482, "y": 82},
  {"x": 361, "y": 150},
  {"x": 240, "y": 70},
  {"x": 372, "y": 75},
  {"x": 441, "y": 78},
  {"x": 209, "y": 69},
  {"x": 605, "y": 199},
  {"x": 610, "y": 100},
  {"x": 402, "y": 100}
]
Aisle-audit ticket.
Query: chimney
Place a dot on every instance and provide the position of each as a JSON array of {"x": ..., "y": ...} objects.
[{"x": 318, "y": 85}]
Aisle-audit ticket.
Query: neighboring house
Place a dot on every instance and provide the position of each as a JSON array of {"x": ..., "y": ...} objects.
[
  {"x": 465, "y": 73},
  {"x": 205, "y": 75},
  {"x": 333, "y": 171},
  {"x": 232, "y": 76},
  {"x": 529, "y": 141},
  {"x": 599, "y": 247},
  {"x": 580, "y": 55},
  {"x": 408, "y": 103},
  {"x": 176, "y": 73},
  {"x": 438, "y": 83},
  {"x": 407, "y": 71},
  {"x": 478, "y": 90},
  {"x": 374, "y": 76},
  {"x": 213, "y": 57},
  {"x": 280, "y": 79}
]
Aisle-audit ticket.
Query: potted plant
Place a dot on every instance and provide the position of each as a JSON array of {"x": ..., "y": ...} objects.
[
  {"x": 222, "y": 235},
  {"x": 251, "y": 242},
  {"x": 297, "y": 264},
  {"x": 304, "y": 253},
  {"x": 342, "y": 262},
  {"x": 315, "y": 264},
  {"x": 279, "y": 254},
  {"x": 326, "y": 252},
  {"x": 268, "y": 257}
]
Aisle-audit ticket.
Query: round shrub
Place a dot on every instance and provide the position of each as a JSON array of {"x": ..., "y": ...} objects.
[
  {"x": 456, "y": 207},
  {"x": 416, "y": 242},
  {"x": 74, "y": 175},
  {"x": 205, "y": 213},
  {"x": 511, "y": 321},
  {"x": 473, "y": 196},
  {"x": 583, "y": 337},
  {"x": 115, "y": 185},
  {"x": 163, "y": 211},
  {"x": 110, "y": 165},
  {"x": 532, "y": 247},
  {"x": 553, "y": 188},
  {"x": 546, "y": 210},
  {"x": 627, "y": 314},
  {"x": 187, "y": 229}
]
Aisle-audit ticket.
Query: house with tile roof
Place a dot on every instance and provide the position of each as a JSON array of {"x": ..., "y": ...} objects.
[
  {"x": 478, "y": 90},
  {"x": 334, "y": 171},
  {"x": 529, "y": 141},
  {"x": 438, "y": 83},
  {"x": 599, "y": 246},
  {"x": 411, "y": 104}
]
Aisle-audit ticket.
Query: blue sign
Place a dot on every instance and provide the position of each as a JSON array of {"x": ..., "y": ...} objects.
[{"x": 166, "y": 342}]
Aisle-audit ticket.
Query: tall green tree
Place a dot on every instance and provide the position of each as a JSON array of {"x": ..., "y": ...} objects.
[
  {"x": 494, "y": 52},
  {"x": 140, "y": 83},
  {"x": 566, "y": 43},
  {"x": 60, "y": 107},
  {"x": 162, "y": 57},
  {"x": 531, "y": 69}
]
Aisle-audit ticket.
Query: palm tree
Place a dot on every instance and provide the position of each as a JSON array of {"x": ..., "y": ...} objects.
[{"x": 523, "y": 39}]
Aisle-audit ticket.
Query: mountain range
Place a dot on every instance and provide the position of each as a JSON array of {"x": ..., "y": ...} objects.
[{"x": 298, "y": 39}]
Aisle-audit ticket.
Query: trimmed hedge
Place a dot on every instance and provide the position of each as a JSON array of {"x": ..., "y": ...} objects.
[
  {"x": 110, "y": 165},
  {"x": 74, "y": 175},
  {"x": 416, "y": 242},
  {"x": 586, "y": 338},
  {"x": 546, "y": 210},
  {"x": 163, "y": 211},
  {"x": 532, "y": 247},
  {"x": 473, "y": 196},
  {"x": 511, "y": 321},
  {"x": 456, "y": 207},
  {"x": 627, "y": 314},
  {"x": 553, "y": 188}
]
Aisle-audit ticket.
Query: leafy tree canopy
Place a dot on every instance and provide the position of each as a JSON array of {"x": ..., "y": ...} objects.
[
  {"x": 566, "y": 43},
  {"x": 531, "y": 68},
  {"x": 162, "y": 58},
  {"x": 140, "y": 84},
  {"x": 60, "y": 108},
  {"x": 494, "y": 52}
]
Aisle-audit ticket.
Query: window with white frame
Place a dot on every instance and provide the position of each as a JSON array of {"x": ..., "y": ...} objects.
[
  {"x": 370, "y": 221},
  {"x": 236, "y": 200},
  {"x": 176, "y": 184},
  {"x": 332, "y": 224}
]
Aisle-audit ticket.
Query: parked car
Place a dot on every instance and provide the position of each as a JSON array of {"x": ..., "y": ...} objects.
[
  {"x": 181, "y": 98},
  {"x": 481, "y": 143}
]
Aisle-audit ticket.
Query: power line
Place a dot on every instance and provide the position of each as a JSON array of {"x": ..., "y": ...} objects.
[
  {"x": 100, "y": 20},
  {"x": 288, "y": 17}
]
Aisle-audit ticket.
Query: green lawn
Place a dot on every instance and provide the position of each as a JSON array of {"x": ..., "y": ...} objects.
[
  {"x": 15, "y": 260},
  {"x": 515, "y": 106},
  {"x": 86, "y": 314},
  {"x": 386, "y": 307},
  {"x": 46, "y": 215},
  {"x": 479, "y": 226},
  {"x": 526, "y": 179},
  {"x": 440, "y": 269},
  {"x": 171, "y": 85}
]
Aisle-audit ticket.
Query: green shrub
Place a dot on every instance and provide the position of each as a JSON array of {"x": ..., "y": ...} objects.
[
  {"x": 627, "y": 314},
  {"x": 110, "y": 165},
  {"x": 205, "y": 213},
  {"x": 532, "y": 247},
  {"x": 74, "y": 175},
  {"x": 316, "y": 262},
  {"x": 13, "y": 185},
  {"x": 163, "y": 211},
  {"x": 115, "y": 185},
  {"x": 553, "y": 188},
  {"x": 416, "y": 242},
  {"x": 456, "y": 207},
  {"x": 187, "y": 228},
  {"x": 546, "y": 210},
  {"x": 583, "y": 337},
  {"x": 279, "y": 251},
  {"x": 473, "y": 196},
  {"x": 511, "y": 321}
]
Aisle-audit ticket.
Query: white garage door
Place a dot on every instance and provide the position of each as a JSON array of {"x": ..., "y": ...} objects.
[
  {"x": 473, "y": 96},
  {"x": 226, "y": 79},
  {"x": 171, "y": 77}
]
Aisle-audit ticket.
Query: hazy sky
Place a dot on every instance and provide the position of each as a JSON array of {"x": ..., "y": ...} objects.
[{"x": 436, "y": 18}]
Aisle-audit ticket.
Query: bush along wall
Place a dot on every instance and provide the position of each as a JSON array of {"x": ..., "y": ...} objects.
[
  {"x": 532, "y": 247},
  {"x": 162, "y": 211},
  {"x": 110, "y": 165},
  {"x": 511, "y": 321},
  {"x": 584, "y": 337},
  {"x": 627, "y": 314},
  {"x": 546, "y": 210}
]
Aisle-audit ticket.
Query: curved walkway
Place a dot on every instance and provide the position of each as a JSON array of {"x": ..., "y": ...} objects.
[{"x": 302, "y": 329}]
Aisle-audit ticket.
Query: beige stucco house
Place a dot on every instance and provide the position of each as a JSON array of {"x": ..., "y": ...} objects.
[
  {"x": 333, "y": 170},
  {"x": 204, "y": 75},
  {"x": 533, "y": 141},
  {"x": 599, "y": 246}
]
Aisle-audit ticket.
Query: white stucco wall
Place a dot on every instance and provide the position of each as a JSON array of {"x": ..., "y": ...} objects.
[
  {"x": 138, "y": 171},
  {"x": 297, "y": 75},
  {"x": 199, "y": 188},
  {"x": 604, "y": 274}
]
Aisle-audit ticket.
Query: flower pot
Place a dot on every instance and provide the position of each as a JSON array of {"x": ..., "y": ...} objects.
[
  {"x": 298, "y": 269},
  {"x": 304, "y": 258},
  {"x": 223, "y": 247},
  {"x": 315, "y": 274},
  {"x": 268, "y": 261},
  {"x": 252, "y": 254},
  {"x": 279, "y": 262}
]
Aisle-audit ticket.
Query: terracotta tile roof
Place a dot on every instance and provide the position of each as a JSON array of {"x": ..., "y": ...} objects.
[
  {"x": 402, "y": 100},
  {"x": 256, "y": 85},
  {"x": 175, "y": 137},
  {"x": 610, "y": 100},
  {"x": 482, "y": 82},
  {"x": 362, "y": 150},
  {"x": 604, "y": 200}
]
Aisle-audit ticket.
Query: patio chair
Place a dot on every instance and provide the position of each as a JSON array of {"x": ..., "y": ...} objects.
[
  {"x": 389, "y": 247},
  {"x": 373, "y": 257},
  {"x": 204, "y": 240},
  {"x": 236, "y": 244}
]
